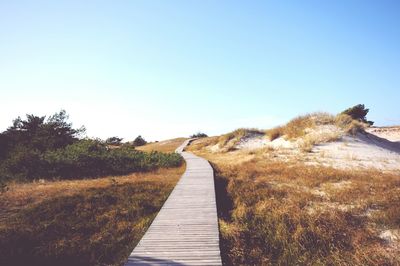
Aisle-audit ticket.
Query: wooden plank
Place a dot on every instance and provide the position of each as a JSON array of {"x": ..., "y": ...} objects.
[{"x": 185, "y": 231}]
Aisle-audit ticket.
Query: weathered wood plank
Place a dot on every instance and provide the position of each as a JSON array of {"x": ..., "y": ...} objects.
[{"x": 185, "y": 231}]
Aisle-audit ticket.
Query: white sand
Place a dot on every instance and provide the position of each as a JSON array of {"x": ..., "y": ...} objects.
[
  {"x": 365, "y": 150},
  {"x": 252, "y": 141},
  {"x": 389, "y": 133},
  {"x": 361, "y": 151}
]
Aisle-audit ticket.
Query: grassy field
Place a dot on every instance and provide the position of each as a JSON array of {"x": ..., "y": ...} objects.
[
  {"x": 80, "y": 222},
  {"x": 162, "y": 146},
  {"x": 275, "y": 212}
]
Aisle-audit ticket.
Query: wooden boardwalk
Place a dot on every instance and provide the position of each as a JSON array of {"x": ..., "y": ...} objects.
[{"x": 185, "y": 231}]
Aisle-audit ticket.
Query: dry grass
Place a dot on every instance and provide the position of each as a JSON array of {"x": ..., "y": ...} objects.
[
  {"x": 228, "y": 141},
  {"x": 349, "y": 125},
  {"x": 82, "y": 222},
  {"x": 162, "y": 146},
  {"x": 225, "y": 143},
  {"x": 298, "y": 126},
  {"x": 276, "y": 212},
  {"x": 306, "y": 129},
  {"x": 310, "y": 140},
  {"x": 294, "y": 129}
]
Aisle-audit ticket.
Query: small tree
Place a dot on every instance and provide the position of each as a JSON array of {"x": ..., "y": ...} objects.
[
  {"x": 358, "y": 112},
  {"x": 35, "y": 132},
  {"x": 114, "y": 141},
  {"x": 199, "y": 135},
  {"x": 139, "y": 141}
]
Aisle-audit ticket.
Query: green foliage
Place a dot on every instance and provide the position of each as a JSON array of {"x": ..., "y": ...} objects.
[
  {"x": 39, "y": 148},
  {"x": 38, "y": 133},
  {"x": 139, "y": 141},
  {"x": 199, "y": 135},
  {"x": 82, "y": 159},
  {"x": 114, "y": 141},
  {"x": 358, "y": 112}
]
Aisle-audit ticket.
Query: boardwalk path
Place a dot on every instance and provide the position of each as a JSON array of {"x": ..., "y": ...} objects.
[{"x": 185, "y": 231}]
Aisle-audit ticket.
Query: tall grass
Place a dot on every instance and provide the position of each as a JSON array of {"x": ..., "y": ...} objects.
[
  {"x": 80, "y": 222},
  {"x": 350, "y": 125},
  {"x": 228, "y": 141},
  {"x": 297, "y": 127},
  {"x": 276, "y": 218},
  {"x": 301, "y": 127}
]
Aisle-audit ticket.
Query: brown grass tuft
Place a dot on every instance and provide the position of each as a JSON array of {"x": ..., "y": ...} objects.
[
  {"x": 228, "y": 141},
  {"x": 297, "y": 127},
  {"x": 349, "y": 125}
]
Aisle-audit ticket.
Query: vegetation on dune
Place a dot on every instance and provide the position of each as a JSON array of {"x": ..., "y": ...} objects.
[
  {"x": 39, "y": 134},
  {"x": 76, "y": 222},
  {"x": 277, "y": 209},
  {"x": 228, "y": 141},
  {"x": 352, "y": 121},
  {"x": 113, "y": 141},
  {"x": 300, "y": 126},
  {"x": 37, "y": 148},
  {"x": 275, "y": 214},
  {"x": 199, "y": 135},
  {"x": 358, "y": 112},
  {"x": 80, "y": 222},
  {"x": 139, "y": 141}
]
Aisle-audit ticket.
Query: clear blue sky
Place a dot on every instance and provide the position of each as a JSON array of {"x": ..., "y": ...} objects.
[{"x": 169, "y": 68}]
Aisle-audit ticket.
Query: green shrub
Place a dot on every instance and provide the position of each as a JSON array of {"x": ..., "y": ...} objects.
[
  {"x": 114, "y": 141},
  {"x": 85, "y": 158},
  {"x": 358, "y": 112},
  {"x": 49, "y": 148},
  {"x": 139, "y": 141},
  {"x": 199, "y": 135}
]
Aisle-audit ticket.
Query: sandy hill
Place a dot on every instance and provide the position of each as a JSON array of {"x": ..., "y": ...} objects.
[{"x": 319, "y": 139}]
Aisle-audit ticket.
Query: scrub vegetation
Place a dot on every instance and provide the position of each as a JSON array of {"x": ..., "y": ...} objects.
[
  {"x": 69, "y": 200},
  {"x": 299, "y": 126},
  {"x": 80, "y": 222},
  {"x": 282, "y": 214},
  {"x": 276, "y": 207},
  {"x": 37, "y": 148}
]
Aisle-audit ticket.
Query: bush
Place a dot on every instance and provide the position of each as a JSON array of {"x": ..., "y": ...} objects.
[
  {"x": 114, "y": 141},
  {"x": 358, "y": 112},
  {"x": 38, "y": 148},
  {"x": 199, "y": 135},
  {"x": 139, "y": 141},
  {"x": 22, "y": 164},
  {"x": 85, "y": 158},
  {"x": 40, "y": 134}
]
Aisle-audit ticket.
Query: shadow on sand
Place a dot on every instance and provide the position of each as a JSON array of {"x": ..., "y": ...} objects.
[{"x": 380, "y": 142}]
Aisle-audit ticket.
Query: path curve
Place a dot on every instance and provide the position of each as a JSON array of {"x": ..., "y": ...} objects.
[{"x": 185, "y": 231}]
